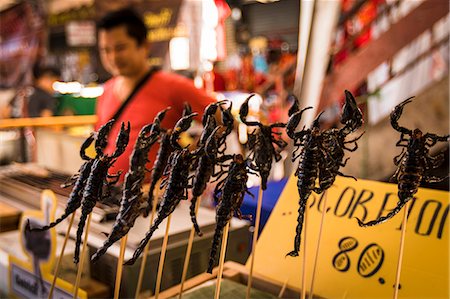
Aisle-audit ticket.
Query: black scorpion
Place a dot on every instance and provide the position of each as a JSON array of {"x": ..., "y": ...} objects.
[
  {"x": 312, "y": 158},
  {"x": 413, "y": 164},
  {"x": 162, "y": 157},
  {"x": 132, "y": 199},
  {"x": 175, "y": 179},
  {"x": 262, "y": 144},
  {"x": 79, "y": 180},
  {"x": 209, "y": 144},
  {"x": 98, "y": 178},
  {"x": 229, "y": 193}
]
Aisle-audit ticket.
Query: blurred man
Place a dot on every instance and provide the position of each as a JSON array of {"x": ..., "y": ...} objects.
[{"x": 41, "y": 102}]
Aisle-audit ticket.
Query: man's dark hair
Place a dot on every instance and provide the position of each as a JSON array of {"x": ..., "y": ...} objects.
[
  {"x": 41, "y": 71},
  {"x": 127, "y": 17}
]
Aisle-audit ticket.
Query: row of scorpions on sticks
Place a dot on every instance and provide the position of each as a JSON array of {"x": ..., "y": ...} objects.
[{"x": 321, "y": 157}]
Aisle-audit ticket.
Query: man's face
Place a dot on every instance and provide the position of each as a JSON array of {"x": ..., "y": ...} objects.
[{"x": 120, "y": 54}]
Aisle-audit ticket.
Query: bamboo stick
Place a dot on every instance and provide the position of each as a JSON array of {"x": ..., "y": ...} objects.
[
  {"x": 123, "y": 246},
  {"x": 58, "y": 263},
  {"x": 305, "y": 222},
  {"x": 255, "y": 239},
  {"x": 400, "y": 253},
  {"x": 83, "y": 254},
  {"x": 222, "y": 259},
  {"x": 188, "y": 252},
  {"x": 162, "y": 257},
  {"x": 146, "y": 249},
  {"x": 324, "y": 211}
]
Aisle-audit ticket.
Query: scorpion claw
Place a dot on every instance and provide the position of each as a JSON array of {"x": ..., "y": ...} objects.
[
  {"x": 395, "y": 116},
  {"x": 295, "y": 106},
  {"x": 293, "y": 122},
  {"x": 351, "y": 114},
  {"x": 243, "y": 111}
]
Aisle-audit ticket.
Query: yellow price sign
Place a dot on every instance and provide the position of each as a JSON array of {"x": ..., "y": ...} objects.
[{"x": 356, "y": 262}]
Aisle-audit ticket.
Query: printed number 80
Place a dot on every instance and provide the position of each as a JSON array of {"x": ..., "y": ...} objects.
[{"x": 370, "y": 260}]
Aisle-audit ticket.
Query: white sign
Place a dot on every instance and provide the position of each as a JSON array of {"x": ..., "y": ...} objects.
[{"x": 80, "y": 33}]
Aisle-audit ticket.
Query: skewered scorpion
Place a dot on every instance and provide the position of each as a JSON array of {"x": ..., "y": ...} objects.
[
  {"x": 94, "y": 191},
  {"x": 413, "y": 164},
  {"x": 261, "y": 144},
  {"x": 229, "y": 193},
  {"x": 79, "y": 180},
  {"x": 209, "y": 148},
  {"x": 131, "y": 205},
  {"x": 176, "y": 181},
  {"x": 312, "y": 159},
  {"x": 162, "y": 157}
]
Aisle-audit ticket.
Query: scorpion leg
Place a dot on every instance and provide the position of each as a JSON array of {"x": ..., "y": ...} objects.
[
  {"x": 402, "y": 138},
  {"x": 399, "y": 157},
  {"x": 434, "y": 179},
  {"x": 346, "y": 175},
  {"x": 435, "y": 138}
]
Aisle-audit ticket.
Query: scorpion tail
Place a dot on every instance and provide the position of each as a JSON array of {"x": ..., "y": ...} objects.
[
  {"x": 76, "y": 255},
  {"x": 194, "y": 216},
  {"x": 382, "y": 218},
  {"x": 150, "y": 197},
  {"x": 144, "y": 242},
  {"x": 48, "y": 226},
  {"x": 215, "y": 245},
  {"x": 299, "y": 228},
  {"x": 102, "y": 250}
]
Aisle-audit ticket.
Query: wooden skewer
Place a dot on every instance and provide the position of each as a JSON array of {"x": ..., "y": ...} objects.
[
  {"x": 58, "y": 263},
  {"x": 145, "y": 253},
  {"x": 123, "y": 246},
  {"x": 162, "y": 257},
  {"x": 255, "y": 239},
  {"x": 400, "y": 254},
  {"x": 311, "y": 289},
  {"x": 222, "y": 259},
  {"x": 305, "y": 222},
  {"x": 188, "y": 252},
  {"x": 283, "y": 288},
  {"x": 83, "y": 254}
]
